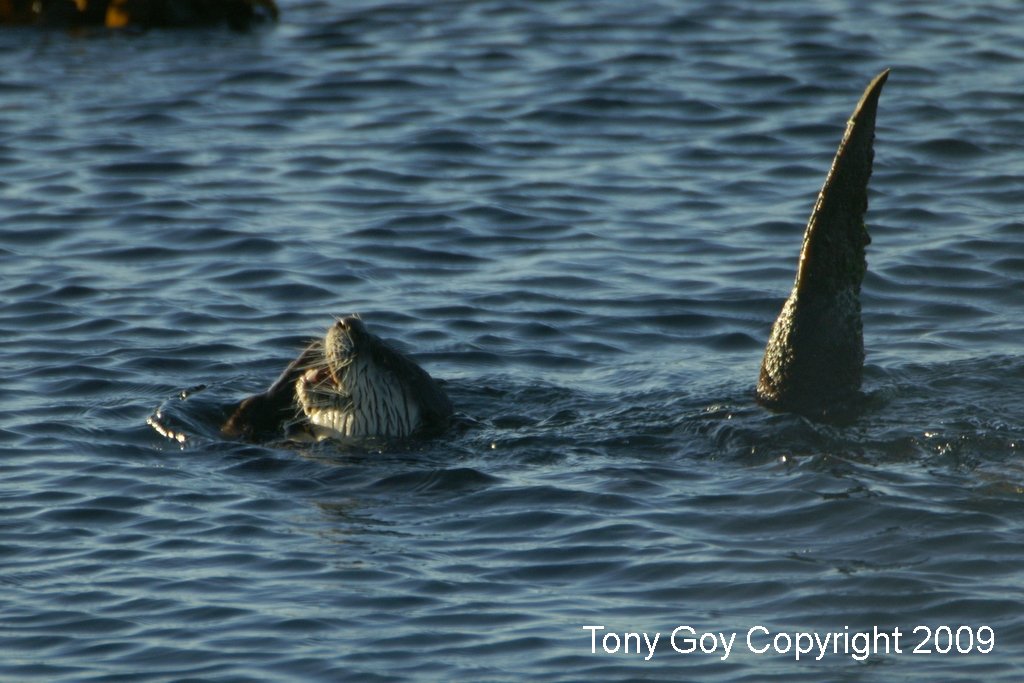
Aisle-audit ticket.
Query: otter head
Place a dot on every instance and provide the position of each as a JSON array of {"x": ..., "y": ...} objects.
[
  {"x": 342, "y": 346},
  {"x": 350, "y": 383},
  {"x": 359, "y": 386},
  {"x": 330, "y": 379}
]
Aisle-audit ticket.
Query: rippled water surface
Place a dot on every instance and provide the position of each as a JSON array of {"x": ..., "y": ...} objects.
[{"x": 584, "y": 216}]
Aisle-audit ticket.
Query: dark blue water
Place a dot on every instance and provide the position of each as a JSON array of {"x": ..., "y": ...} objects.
[{"x": 584, "y": 216}]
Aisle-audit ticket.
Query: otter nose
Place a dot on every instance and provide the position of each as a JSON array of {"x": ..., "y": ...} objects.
[{"x": 349, "y": 323}]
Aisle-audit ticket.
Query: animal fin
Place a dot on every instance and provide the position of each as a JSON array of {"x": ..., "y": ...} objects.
[{"x": 814, "y": 359}]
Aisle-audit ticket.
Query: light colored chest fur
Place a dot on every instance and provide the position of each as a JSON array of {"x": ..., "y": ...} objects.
[{"x": 374, "y": 402}]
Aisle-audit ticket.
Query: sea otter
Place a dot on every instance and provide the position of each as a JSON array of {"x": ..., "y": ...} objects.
[
  {"x": 350, "y": 384},
  {"x": 814, "y": 360}
]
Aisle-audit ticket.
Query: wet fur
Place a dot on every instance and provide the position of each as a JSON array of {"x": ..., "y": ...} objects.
[{"x": 368, "y": 389}]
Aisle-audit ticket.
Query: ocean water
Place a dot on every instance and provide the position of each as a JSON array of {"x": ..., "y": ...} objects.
[{"x": 583, "y": 216}]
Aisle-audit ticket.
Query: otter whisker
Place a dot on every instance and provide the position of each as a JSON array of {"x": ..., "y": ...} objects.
[
  {"x": 362, "y": 394},
  {"x": 349, "y": 384}
]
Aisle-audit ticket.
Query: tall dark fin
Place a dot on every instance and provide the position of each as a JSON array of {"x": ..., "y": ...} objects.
[{"x": 815, "y": 356}]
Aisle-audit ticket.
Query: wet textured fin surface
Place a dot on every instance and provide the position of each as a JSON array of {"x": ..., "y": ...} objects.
[{"x": 813, "y": 363}]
